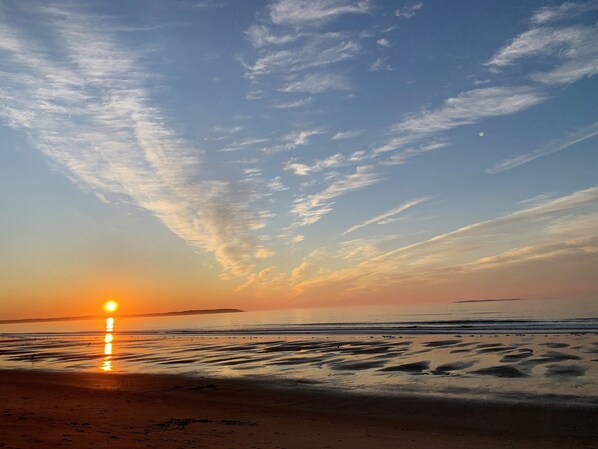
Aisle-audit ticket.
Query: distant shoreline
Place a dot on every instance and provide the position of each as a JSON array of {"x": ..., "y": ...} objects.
[
  {"x": 138, "y": 315},
  {"x": 489, "y": 300}
]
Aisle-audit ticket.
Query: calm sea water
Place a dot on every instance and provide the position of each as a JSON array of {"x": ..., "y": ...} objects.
[{"x": 541, "y": 316}]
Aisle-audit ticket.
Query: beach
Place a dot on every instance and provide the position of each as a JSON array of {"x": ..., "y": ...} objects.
[
  {"x": 283, "y": 381},
  {"x": 78, "y": 409}
]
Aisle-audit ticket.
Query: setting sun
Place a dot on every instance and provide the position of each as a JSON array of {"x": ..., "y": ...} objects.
[{"x": 110, "y": 306}]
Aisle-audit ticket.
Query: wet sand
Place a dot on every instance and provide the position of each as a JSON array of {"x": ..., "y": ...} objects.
[
  {"x": 85, "y": 410},
  {"x": 532, "y": 368}
]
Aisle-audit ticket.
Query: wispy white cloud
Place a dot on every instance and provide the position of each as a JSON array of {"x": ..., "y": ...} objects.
[
  {"x": 244, "y": 143},
  {"x": 383, "y": 217},
  {"x": 342, "y": 135},
  {"x": 256, "y": 278},
  {"x": 260, "y": 35},
  {"x": 277, "y": 185},
  {"x": 470, "y": 107},
  {"x": 309, "y": 209},
  {"x": 465, "y": 109},
  {"x": 555, "y": 146},
  {"x": 320, "y": 52},
  {"x": 297, "y": 168},
  {"x": 557, "y": 229},
  {"x": 579, "y": 201},
  {"x": 537, "y": 41},
  {"x": 334, "y": 161},
  {"x": 209, "y": 4},
  {"x": 310, "y": 13},
  {"x": 400, "y": 157},
  {"x": 319, "y": 82},
  {"x": 94, "y": 118},
  {"x": 565, "y": 11},
  {"x": 297, "y": 138},
  {"x": 535, "y": 200},
  {"x": 290, "y": 42},
  {"x": 579, "y": 62},
  {"x": 293, "y": 140},
  {"x": 363, "y": 248},
  {"x": 408, "y": 11},
  {"x": 294, "y": 104},
  {"x": 227, "y": 130},
  {"x": 573, "y": 50},
  {"x": 298, "y": 238},
  {"x": 380, "y": 64},
  {"x": 382, "y": 42}
]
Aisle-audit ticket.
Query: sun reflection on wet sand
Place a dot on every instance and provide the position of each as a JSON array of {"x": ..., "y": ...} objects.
[{"x": 108, "y": 338}]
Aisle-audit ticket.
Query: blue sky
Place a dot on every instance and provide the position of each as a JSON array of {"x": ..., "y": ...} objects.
[{"x": 285, "y": 153}]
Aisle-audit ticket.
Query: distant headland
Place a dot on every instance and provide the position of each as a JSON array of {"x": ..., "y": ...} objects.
[
  {"x": 138, "y": 315},
  {"x": 489, "y": 300}
]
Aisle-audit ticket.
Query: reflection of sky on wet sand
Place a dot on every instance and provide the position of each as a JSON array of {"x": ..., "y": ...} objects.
[
  {"x": 512, "y": 367},
  {"x": 108, "y": 338}
]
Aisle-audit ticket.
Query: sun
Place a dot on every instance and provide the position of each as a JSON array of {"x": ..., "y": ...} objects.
[{"x": 110, "y": 306}]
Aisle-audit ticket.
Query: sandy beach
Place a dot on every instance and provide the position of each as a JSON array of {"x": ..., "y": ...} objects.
[{"x": 76, "y": 409}]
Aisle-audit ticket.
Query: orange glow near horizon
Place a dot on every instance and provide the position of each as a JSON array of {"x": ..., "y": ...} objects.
[{"x": 110, "y": 306}]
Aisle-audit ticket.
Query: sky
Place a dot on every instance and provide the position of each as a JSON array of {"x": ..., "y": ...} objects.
[{"x": 293, "y": 153}]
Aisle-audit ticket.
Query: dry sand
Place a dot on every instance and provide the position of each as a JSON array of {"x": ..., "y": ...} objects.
[{"x": 104, "y": 410}]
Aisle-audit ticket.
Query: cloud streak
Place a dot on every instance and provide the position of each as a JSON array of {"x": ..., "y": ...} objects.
[
  {"x": 572, "y": 49},
  {"x": 552, "y": 147},
  {"x": 385, "y": 216},
  {"x": 309, "y": 209},
  {"x": 468, "y": 108},
  {"x": 553, "y": 230},
  {"x": 319, "y": 82},
  {"x": 310, "y": 13},
  {"x": 89, "y": 110},
  {"x": 565, "y": 11},
  {"x": 409, "y": 11}
]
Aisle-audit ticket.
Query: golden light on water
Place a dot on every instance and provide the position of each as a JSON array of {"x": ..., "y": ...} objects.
[
  {"x": 107, "y": 365},
  {"x": 110, "y": 306},
  {"x": 108, "y": 338}
]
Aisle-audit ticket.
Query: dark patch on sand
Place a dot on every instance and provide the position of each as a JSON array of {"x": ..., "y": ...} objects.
[
  {"x": 181, "y": 423},
  {"x": 284, "y": 348},
  {"x": 501, "y": 349},
  {"x": 448, "y": 367},
  {"x": 565, "y": 371},
  {"x": 554, "y": 356},
  {"x": 203, "y": 387},
  {"x": 414, "y": 367},
  {"x": 555, "y": 345},
  {"x": 457, "y": 351},
  {"x": 515, "y": 357},
  {"x": 296, "y": 361},
  {"x": 500, "y": 371},
  {"x": 378, "y": 350},
  {"x": 441, "y": 343},
  {"x": 358, "y": 365}
]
